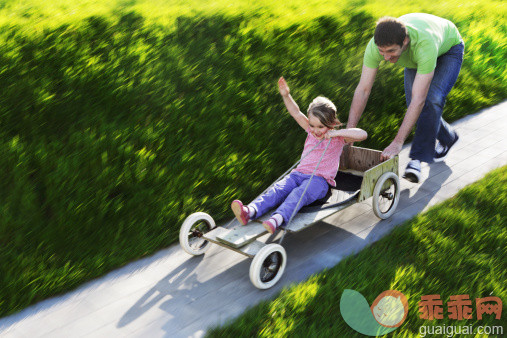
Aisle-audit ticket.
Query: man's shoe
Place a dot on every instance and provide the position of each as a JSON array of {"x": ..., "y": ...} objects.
[
  {"x": 413, "y": 171},
  {"x": 441, "y": 151}
]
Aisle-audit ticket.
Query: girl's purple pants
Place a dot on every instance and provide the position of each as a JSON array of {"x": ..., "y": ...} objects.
[{"x": 286, "y": 194}]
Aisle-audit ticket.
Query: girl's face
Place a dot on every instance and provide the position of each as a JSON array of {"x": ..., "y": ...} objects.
[{"x": 316, "y": 127}]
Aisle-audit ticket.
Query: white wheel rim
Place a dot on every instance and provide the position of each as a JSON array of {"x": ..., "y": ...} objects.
[
  {"x": 385, "y": 199},
  {"x": 268, "y": 266},
  {"x": 192, "y": 228}
]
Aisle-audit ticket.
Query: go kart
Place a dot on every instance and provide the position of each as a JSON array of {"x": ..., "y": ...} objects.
[{"x": 361, "y": 175}]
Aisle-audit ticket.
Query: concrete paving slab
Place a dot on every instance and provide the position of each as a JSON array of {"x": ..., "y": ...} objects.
[{"x": 172, "y": 294}]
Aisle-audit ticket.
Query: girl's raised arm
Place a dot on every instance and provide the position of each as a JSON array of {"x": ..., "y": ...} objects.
[{"x": 291, "y": 105}]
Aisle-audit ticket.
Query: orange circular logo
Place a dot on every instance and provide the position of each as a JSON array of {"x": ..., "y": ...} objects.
[{"x": 390, "y": 308}]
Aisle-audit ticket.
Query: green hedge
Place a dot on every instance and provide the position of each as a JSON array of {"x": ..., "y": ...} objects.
[{"x": 114, "y": 128}]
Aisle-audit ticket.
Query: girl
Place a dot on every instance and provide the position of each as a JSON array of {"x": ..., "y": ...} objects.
[{"x": 286, "y": 193}]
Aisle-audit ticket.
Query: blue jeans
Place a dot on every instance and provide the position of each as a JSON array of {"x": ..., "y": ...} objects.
[
  {"x": 430, "y": 125},
  {"x": 286, "y": 194}
]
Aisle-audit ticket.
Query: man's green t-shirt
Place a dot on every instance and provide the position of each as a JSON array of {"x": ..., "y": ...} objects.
[{"x": 430, "y": 37}]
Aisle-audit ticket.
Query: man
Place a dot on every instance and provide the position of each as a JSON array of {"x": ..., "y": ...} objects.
[{"x": 431, "y": 50}]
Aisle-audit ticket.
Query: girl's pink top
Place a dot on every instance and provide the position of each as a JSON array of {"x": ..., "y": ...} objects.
[{"x": 330, "y": 162}]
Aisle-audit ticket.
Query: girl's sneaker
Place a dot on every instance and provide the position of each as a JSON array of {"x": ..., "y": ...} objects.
[
  {"x": 240, "y": 211},
  {"x": 270, "y": 225}
]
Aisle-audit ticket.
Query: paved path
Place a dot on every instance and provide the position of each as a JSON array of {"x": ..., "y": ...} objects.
[{"x": 174, "y": 295}]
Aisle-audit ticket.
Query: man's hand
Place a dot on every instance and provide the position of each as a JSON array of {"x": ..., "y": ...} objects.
[
  {"x": 392, "y": 150},
  {"x": 283, "y": 87}
]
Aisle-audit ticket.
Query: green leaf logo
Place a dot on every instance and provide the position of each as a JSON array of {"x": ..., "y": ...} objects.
[{"x": 387, "y": 313}]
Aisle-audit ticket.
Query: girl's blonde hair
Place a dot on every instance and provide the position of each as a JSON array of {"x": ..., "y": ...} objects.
[{"x": 325, "y": 110}]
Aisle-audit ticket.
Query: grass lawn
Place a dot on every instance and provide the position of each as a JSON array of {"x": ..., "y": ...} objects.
[
  {"x": 455, "y": 248},
  {"x": 118, "y": 119}
]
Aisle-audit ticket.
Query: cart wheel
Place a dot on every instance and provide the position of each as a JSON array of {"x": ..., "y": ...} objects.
[
  {"x": 192, "y": 230},
  {"x": 386, "y": 195},
  {"x": 267, "y": 266}
]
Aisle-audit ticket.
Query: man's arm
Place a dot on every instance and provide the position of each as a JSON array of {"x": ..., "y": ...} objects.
[
  {"x": 419, "y": 92},
  {"x": 361, "y": 95}
]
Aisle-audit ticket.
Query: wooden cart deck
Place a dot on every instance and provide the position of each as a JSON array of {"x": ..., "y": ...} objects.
[{"x": 240, "y": 235}]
